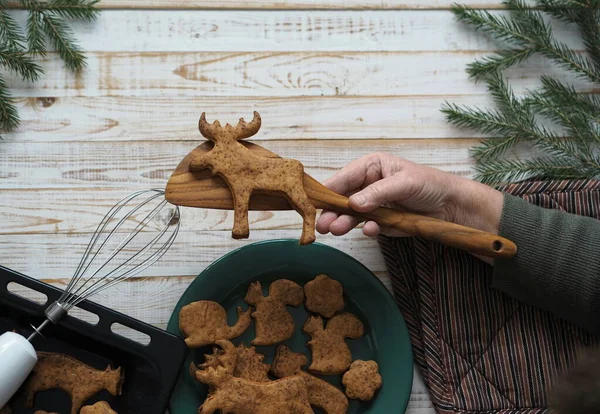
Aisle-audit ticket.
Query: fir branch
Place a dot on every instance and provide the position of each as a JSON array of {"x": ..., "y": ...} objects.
[
  {"x": 528, "y": 30},
  {"x": 72, "y": 9},
  {"x": 21, "y": 63},
  {"x": 498, "y": 26},
  {"x": 9, "y": 116},
  {"x": 10, "y": 34},
  {"x": 35, "y": 33},
  {"x": 62, "y": 39},
  {"x": 503, "y": 59},
  {"x": 538, "y": 167}
]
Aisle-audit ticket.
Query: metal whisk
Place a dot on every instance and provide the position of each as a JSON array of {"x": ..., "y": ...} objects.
[
  {"x": 122, "y": 246},
  {"x": 112, "y": 269}
]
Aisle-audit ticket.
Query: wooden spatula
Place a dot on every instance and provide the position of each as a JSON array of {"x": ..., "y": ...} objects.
[{"x": 199, "y": 189}]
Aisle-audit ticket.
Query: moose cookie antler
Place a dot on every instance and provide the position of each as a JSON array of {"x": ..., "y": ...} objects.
[
  {"x": 246, "y": 172},
  {"x": 237, "y": 395}
]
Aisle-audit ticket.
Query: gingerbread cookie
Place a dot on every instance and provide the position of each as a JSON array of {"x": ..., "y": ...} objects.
[
  {"x": 273, "y": 322},
  {"x": 231, "y": 394},
  {"x": 246, "y": 172},
  {"x": 362, "y": 380},
  {"x": 249, "y": 363},
  {"x": 204, "y": 322},
  {"x": 324, "y": 296},
  {"x": 330, "y": 353},
  {"x": 101, "y": 407},
  {"x": 76, "y": 378},
  {"x": 321, "y": 394}
]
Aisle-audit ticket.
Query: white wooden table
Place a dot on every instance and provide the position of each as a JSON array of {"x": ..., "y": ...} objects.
[{"x": 332, "y": 79}]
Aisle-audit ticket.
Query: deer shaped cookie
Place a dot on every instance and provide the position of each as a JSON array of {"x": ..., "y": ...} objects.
[
  {"x": 78, "y": 379},
  {"x": 237, "y": 395},
  {"x": 273, "y": 322},
  {"x": 246, "y": 173},
  {"x": 330, "y": 353},
  {"x": 321, "y": 394}
]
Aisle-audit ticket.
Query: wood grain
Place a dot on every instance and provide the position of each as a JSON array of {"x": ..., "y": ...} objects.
[
  {"x": 53, "y": 256},
  {"x": 291, "y": 4},
  {"x": 176, "y": 119},
  {"x": 283, "y": 31},
  {"x": 281, "y": 74}
]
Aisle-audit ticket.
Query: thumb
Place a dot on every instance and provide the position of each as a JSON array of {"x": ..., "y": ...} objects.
[{"x": 389, "y": 189}]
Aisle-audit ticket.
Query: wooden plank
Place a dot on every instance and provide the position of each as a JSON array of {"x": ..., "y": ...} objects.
[
  {"x": 176, "y": 119},
  {"x": 280, "y": 74},
  {"x": 282, "y": 31},
  {"x": 55, "y": 256},
  {"x": 295, "y": 4},
  {"x": 85, "y": 179}
]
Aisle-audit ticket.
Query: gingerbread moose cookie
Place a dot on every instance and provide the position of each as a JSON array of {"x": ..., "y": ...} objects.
[
  {"x": 246, "y": 172},
  {"x": 321, "y": 394},
  {"x": 330, "y": 353},
  {"x": 76, "y": 378},
  {"x": 274, "y": 323},
  {"x": 231, "y": 394}
]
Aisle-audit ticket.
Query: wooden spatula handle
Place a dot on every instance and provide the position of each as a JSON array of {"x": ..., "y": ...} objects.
[{"x": 451, "y": 234}]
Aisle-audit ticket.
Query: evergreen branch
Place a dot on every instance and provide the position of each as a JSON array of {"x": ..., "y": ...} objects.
[
  {"x": 21, "y": 63},
  {"x": 35, "y": 33},
  {"x": 62, "y": 39},
  {"x": 565, "y": 96},
  {"x": 9, "y": 116},
  {"x": 541, "y": 35},
  {"x": 497, "y": 26},
  {"x": 487, "y": 121},
  {"x": 493, "y": 148},
  {"x": 538, "y": 167},
  {"x": 501, "y": 60},
  {"x": 10, "y": 33},
  {"x": 72, "y": 9}
]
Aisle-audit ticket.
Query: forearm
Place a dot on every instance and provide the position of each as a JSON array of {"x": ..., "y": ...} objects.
[{"x": 557, "y": 267}]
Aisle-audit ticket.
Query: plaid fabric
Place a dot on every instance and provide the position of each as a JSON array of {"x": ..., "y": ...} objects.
[{"x": 478, "y": 350}]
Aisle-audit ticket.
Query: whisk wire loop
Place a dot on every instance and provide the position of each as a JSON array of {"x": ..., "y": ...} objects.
[{"x": 93, "y": 273}]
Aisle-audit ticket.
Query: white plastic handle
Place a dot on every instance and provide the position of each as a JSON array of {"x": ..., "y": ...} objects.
[{"x": 17, "y": 359}]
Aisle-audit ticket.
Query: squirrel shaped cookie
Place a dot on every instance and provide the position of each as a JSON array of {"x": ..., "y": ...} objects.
[
  {"x": 204, "y": 322},
  {"x": 330, "y": 353},
  {"x": 273, "y": 322},
  {"x": 321, "y": 394},
  {"x": 231, "y": 394}
]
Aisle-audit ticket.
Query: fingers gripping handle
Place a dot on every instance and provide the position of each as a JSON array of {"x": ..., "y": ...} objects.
[{"x": 450, "y": 234}]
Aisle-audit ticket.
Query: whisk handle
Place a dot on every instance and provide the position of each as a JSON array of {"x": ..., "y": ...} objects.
[{"x": 17, "y": 359}]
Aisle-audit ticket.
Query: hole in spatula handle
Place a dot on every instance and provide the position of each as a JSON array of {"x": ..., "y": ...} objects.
[
  {"x": 27, "y": 293},
  {"x": 130, "y": 333}
]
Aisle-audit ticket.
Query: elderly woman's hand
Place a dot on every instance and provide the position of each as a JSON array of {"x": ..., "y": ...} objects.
[{"x": 386, "y": 180}]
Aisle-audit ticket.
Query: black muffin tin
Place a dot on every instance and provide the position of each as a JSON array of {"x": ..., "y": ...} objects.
[{"x": 150, "y": 371}]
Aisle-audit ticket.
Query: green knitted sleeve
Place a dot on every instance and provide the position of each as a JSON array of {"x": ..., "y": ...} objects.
[{"x": 557, "y": 265}]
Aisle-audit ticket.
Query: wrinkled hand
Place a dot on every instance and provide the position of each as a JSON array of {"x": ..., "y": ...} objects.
[{"x": 385, "y": 180}]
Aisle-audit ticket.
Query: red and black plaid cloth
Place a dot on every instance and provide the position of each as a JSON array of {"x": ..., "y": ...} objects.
[{"x": 478, "y": 350}]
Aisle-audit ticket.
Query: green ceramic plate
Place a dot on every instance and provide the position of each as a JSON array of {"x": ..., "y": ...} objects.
[{"x": 386, "y": 338}]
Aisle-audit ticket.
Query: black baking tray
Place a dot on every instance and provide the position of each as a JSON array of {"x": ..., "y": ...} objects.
[{"x": 150, "y": 371}]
